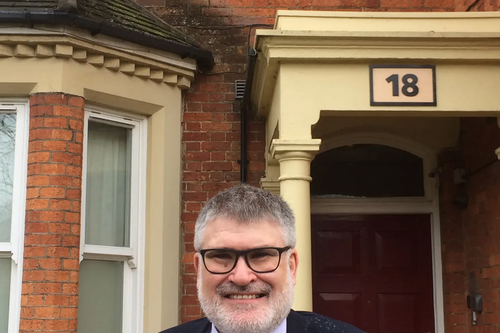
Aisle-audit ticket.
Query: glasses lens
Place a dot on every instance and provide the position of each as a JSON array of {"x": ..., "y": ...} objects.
[
  {"x": 263, "y": 260},
  {"x": 219, "y": 261}
]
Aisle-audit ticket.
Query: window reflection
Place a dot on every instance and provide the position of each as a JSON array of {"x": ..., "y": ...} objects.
[
  {"x": 7, "y": 151},
  {"x": 367, "y": 170}
]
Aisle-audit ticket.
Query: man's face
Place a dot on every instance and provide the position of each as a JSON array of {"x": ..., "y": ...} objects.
[{"x": 267, "y": 297}]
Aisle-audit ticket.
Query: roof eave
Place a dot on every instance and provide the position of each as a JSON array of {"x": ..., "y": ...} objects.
[{"x": 204, "y": 58}]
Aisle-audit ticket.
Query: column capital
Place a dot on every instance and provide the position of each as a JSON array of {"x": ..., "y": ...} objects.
[
  {"x": 271, "y": 185},
  {"x": 281, "y": 146}
]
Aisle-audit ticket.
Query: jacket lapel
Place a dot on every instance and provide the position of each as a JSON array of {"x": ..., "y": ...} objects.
[{"x": 293, "y": 322}]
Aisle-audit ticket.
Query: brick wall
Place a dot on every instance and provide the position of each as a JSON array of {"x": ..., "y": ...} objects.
[
  {"x": 52, "y": 238},
  {"x": 471, "y": 233},
  {"x": 481, "y": 220},
  {"x": 211, "y": 116},
  {"x": 452, "y": 244}
]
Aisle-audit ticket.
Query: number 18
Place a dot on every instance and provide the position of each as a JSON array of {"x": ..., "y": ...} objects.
[{"x": 410, "y": 87}]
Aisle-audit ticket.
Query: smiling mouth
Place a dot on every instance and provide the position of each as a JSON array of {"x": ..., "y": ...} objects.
[{"x": 238, "y": 296}]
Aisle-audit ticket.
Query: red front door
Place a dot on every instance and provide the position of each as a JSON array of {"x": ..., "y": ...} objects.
[{"x": 374, "y": 271}]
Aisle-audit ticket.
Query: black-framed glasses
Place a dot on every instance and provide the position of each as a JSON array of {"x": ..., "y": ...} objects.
[{"x": 259, "y": 260}]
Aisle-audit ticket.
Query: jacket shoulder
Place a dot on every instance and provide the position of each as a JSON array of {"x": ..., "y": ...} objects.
[
  {"x": 201, "y": 325},
  {"x": 310, "y": 322}
]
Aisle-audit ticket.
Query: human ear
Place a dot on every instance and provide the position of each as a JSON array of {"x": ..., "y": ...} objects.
[
  {"x": 293, "y": 262},
  {"x": 196, "y": 262}
]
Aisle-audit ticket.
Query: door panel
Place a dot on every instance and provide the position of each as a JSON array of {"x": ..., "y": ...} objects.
[{"x": 374, "y": 272}]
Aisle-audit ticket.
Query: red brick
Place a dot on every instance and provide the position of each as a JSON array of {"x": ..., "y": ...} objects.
[
  {"x": 62, "y": 158},
  {"x": 70, "y": 288},
  {"x": 34, "y": 251},
  {"x": 36, "y": 227},
  {"x": 60, "y": 204},
  {"x": 75, "y": 148},
  {"x": 72, "y": 217},
  {"x": 57, "y": 276},
  {"x": 41, "y": 110},
  {"x": 73, "y": 194},
  {"x": 57, "y": 325},
  {"x": 60, "y": 228},
  {"x": 54, "y": 169},
  {"x": 56, "y": 99},
  {"x": 71, "y": 241},
  {"x": 77, "y": 101},
  {"x": 36, "y": 99},
  {"x": 34, "y": 146},
  {"x": 48, "y": 288},
  {"x": 76, "y": 124},
  {"x": 33, "y": 276},
  {"x": 57, "y": 300},
  {"x": 38, "y": 180},
  {"x": 58, "y": 122},
  {"x": 50, "y": 239},
  {"x": 71, "y": 264},
  {"x": 32, "y": 193},
  {"x": 54, "y": 145},
  {"x": 52, "y": 192},
  {"x": 63, "y": 110},
  {"x": 32, "y": 325},
  {"x": 37, "y": 203},
  {"x": 40, "y": 133},
  {"x": 74, "y": 171},
  {"x": 58, "y": 251},
  {"x": 65, "y": 181},
  {"x": 62, "y": 134},
  {"x": 47, "y": 312}
]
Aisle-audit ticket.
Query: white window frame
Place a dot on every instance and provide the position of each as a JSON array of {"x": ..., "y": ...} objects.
[
  {"x": 15, "y": 248},
  {"x": 132, "y": 256}
]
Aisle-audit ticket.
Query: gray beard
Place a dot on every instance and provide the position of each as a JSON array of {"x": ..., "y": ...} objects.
[{"x": 225, "y": 320}]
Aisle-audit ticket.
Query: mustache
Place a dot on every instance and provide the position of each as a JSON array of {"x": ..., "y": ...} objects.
[{"x": 251, "y": 288}]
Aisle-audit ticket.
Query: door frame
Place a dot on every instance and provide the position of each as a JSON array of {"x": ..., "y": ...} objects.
[{"x": 429, "y": 204}]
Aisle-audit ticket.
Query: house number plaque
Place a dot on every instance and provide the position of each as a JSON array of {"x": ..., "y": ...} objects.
[{"x": 401, "y": 85}]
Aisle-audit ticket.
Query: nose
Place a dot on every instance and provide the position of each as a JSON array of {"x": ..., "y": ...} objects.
[{"x": 242, "y": 275}]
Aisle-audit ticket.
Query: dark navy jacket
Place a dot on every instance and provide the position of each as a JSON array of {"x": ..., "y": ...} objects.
[{"x": 297, "y": 322}]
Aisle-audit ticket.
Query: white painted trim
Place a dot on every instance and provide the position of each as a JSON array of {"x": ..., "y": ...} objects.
[
  {"x": 84, "y": 185},
  {"x": 6, "y": 250},
  {"x": 133, "y": 277},
  {"x": 15, "y": 248},
  {"x": 100, "y": 250},
  {"x": 420, "y": 205}
]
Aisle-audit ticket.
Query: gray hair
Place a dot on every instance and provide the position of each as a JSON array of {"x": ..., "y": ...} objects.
[{"x": 247, "y": 204}]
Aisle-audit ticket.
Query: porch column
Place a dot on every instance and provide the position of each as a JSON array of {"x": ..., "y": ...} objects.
[{"x": 294, "y": 157}]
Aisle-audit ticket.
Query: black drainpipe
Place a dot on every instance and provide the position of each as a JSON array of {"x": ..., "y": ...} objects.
[{"x": 245, "y": 106}]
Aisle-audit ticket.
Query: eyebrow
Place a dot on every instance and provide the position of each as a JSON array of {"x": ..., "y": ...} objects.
[{"x": 230, "y": 248}]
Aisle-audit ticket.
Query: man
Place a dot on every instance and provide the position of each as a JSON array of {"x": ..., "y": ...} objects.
[{"x": 246, "y": 266}]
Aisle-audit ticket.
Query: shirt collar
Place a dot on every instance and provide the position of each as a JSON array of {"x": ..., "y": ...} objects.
[{"x": 279, "y": 329}]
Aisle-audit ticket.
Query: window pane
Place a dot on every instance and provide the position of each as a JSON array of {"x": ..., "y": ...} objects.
[
  {"x": 107, "y": 214},
  {"x": 4, "y": 293},
  {"x": 7, "y": 149},
  {"x": 367, "y": 170},
  {"x": 100, "y": 297}
]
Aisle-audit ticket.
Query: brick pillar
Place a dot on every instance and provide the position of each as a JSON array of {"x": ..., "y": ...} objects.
[
  {"x": 52, "y": 236},
  {"x": 453, "y": 247}
]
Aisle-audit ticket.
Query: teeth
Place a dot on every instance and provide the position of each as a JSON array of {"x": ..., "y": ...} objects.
[{"x": 243, "y": 296}]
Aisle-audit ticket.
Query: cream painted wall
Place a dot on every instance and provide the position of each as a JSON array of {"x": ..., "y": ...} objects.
[
  {"x": 434, "y": 133},
  {"x": 162, "y": 275},
  {"x": 344, "y": 87},
  {"x": 292, "y": 20},
  {"x": 97, "y": 84},
  {"x": 163, "y": 103}
]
